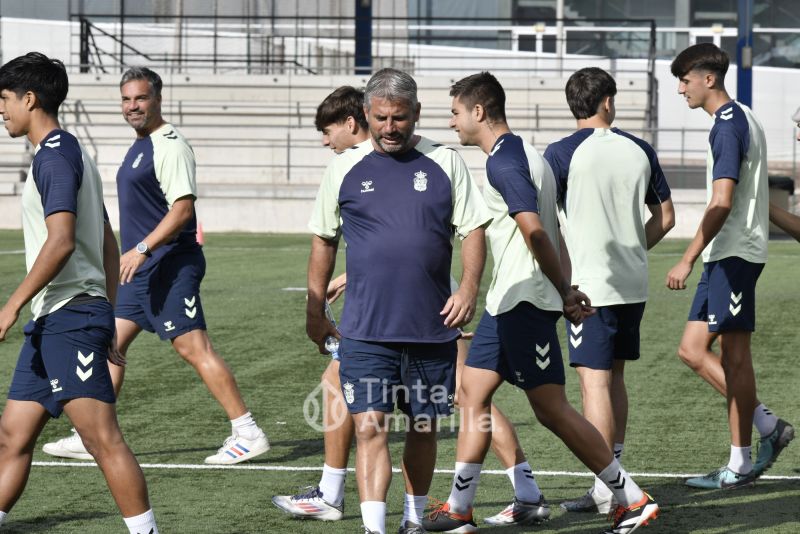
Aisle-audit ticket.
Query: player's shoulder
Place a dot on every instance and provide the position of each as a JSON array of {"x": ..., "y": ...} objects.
[
  {"x": 445, "y": 156},
  {"x": 430, "y": 147},
  {"x": 59, "y": 144},
  {"x": 641, "y": 143},
  {"x": 730, "y": 118},
  {"x": 350, "y": 157},
  {"x": 167, "y": 138},
  {"x": 568, "y": 144}
]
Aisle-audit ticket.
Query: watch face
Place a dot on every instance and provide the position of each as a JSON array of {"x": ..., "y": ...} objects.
[{"x": 141, "y": 248}]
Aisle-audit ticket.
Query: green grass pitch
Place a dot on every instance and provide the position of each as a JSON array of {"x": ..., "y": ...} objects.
[{"x": 677, "y": 423}]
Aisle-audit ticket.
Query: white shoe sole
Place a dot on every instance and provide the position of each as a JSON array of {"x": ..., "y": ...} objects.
[
  {"x": 257, "y": 449},
  {"x": 53, "y": 450},
  {"x": 330, "y": 515}
]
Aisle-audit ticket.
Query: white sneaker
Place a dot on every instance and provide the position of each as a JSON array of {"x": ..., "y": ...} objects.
[
  {"x": 309, "y": 505},
  {"x": 591, "y": 503},
  {"x": 71, "y": 447},
  {"x": 237, "y": 449}
]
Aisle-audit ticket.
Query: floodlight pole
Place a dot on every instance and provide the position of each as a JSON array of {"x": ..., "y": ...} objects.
[{"x": 744, "y": 54}]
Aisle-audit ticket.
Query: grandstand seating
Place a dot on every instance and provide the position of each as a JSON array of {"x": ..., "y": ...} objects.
[{"x": 254, "y": 136}]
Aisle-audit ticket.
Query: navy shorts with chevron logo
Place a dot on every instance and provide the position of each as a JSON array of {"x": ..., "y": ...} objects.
[
  {"x": 166, "y": 298},
  {"x": 726, "y": 295},
  {"x": 521, "y": 345},
  {"x": 64, "y": 356},
  {"x": 612, "y": 333}
]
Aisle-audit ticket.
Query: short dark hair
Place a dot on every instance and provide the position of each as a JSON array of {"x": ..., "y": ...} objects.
[
  {"x": 143, "y": 73},
  {"x": 586, "y": 89},
  {"x": 483, "y": 89},
  {"x": 346, "y": 101},
  {"x": 43, "y": 76},
  {"x": 704, "y": 56}
]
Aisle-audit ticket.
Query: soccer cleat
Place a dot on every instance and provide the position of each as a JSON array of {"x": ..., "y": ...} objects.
[
  {"x": 237, "y": 449},
  {"x": 309, "y": 505},
  {"x": 771, "y": 446},
  {"x": 521, "y": 513},
  {"x": 71, "y": 447},
  {"x": 410, "y": 528},
  {"x": 722, "y": 478},
  {"x": 589, "y": 502},
  {"x": 628, "y": 519},
  {"x": 441, "y": 519}
]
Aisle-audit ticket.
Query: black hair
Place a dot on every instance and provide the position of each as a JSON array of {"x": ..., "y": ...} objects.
[
  {"x": 483, "y": 89},
  {"x": 704, "y": 57},
  {"x": 346, "y": 101},
  {"x": 43, "y": 76},
  {"x": 586, "y": 89}
]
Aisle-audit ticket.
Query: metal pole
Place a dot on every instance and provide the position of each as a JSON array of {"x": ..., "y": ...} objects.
[
  {"x": 363, "y": 45},
  {"x": 560, "y": 41},
  {"x": 121, "y": 35},
  {"x": 744, "y": 54}
]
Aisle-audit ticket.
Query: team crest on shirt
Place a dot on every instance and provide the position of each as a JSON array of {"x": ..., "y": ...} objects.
[
  {"x": 349, "y": 392},
  {"x": 138, "y": 160},
  {"x": 420, "y": 181},
  {"x": 366, "y": 186}
]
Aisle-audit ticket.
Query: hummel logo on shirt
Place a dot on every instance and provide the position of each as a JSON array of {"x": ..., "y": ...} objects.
[
  {"x": 137, "y": 160},
  {"x": 496, "y": 148},
  {"x": 54, "y": 385},
  {"x": 53, "y": 142},
  {"x": 727, "y": 114},
  {"x": 168, "y": 326},
  {"x": 367, "y": 186},
  {"x": 171, "y": 135}
]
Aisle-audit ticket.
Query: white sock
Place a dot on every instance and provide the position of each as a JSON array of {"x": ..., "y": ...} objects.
[
  {"x": 332, "y": 484},
  {"x": 465, "y": 484},
  {"x": 625, "y": 490},
  {"x": 373, "y": 515},
  {"x": 740, "y": 461},
  {"x": 142, "y": 524},
  {"x": 525, "y": 487},
  {"x": 414, "y": 508},
  {"x": 764, "y": 420},
  {"x": 244, "y": 426},
  {"x": 600, "y": 489},
  {"x": 3, "y": 517}
]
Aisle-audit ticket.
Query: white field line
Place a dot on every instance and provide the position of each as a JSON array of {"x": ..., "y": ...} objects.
[
  {"x": 294, "y": 468},
  {"x": 5, "y": 252}
]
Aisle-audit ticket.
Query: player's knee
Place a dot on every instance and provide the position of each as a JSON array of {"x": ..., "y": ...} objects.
[{"x": 689, "y": 355}]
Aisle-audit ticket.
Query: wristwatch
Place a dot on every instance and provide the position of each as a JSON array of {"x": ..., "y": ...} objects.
[{"x": 142, "y": 248}]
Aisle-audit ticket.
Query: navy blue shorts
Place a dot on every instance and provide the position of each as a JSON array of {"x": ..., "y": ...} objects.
[
  {"x": 610, "y": 334},
  {"x": 166, "y": 298},
  {"x": 418, "y": 378},
  {"x": 521, "y": 345},
  {"x": 64, "y": 356},
  {"x": 726, "y": 295}
]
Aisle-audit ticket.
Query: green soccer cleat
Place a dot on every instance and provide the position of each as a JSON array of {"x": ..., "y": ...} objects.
[
  {"x": 722, "y": 478},
  {"x": 771, "y": 446}
]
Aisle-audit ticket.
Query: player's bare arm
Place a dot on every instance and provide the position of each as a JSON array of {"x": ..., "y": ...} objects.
[
  {"x": 576, "y": 304},
  {"x": 460, "y": 307},
  {"x": 661, "y": 221},
  {"x": 714, "y": 217},
  {"x": 55, "y": 252},
  {"x": 169, "y": 227},
  {"x": 788, "y": 222},
  {"x": 321, "y": 262}
]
